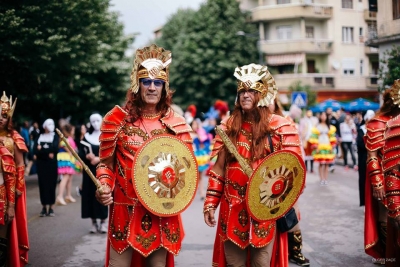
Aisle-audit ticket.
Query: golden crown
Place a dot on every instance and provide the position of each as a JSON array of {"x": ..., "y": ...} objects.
[
  {"x": 395, "y": 92},
  {"x": 7, "y": 105},
  {"x": 257, "y": 77},
  {"x": 151, "y": 61}
]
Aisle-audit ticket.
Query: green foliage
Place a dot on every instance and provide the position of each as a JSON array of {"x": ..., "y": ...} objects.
[
  {"x": 391, "y": 69},
  {"x": 63, "y": 58},
  {"x": 311, "y": 95},
  {"x": 206, "y": 50}
]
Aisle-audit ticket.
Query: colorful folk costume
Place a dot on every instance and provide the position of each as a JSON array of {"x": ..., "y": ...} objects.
[
  {"x": 18, "y": 244},
  {"x": 323, "y": 141},
  {"x": 67, "y": 164},
  {"x": 228, "y": 190},
  {"x": 130, "y": 223},
  {"x": 390, "y": 163},
  {"x": 374, "y": 226},
  {"x": 201, "y": 146},
  {"x": 305, "y": 128}
]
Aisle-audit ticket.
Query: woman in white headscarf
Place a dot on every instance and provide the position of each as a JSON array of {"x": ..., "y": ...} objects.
[
  {"x": 45, "y": 152},
  {"x": 89, "y": 152}
]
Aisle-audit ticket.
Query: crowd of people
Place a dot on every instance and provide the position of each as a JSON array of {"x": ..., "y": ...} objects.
[{"x": 256, "y": 127}]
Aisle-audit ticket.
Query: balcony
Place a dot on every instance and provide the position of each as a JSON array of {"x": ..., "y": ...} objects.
[
  {"x": 315, "y": 80},
  {"x": 372, "y": 82},
  {"x": 369, "y": 15},
  {"x": 290, "y": 11},
  {"x": 371, "y": 50},
  {"x": 309, "y": 46}
]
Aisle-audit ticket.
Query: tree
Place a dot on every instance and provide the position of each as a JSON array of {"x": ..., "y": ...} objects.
[
  {"x": 390, "y": 71},
  {"x": 206, "y": 49},
  {"x": 62, "y": 58},
  {"x": 298, "y": 87}
]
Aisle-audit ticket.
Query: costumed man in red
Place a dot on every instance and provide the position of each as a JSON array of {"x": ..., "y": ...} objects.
[
  {"x": 391, "y": 170},
  {"x": 375, "y": 220},
  {"x": 137, "y": 237},
  {"x": 18, "y": 229},
  {"x": 295, "y": 238},
  {"x": 248, "y": 128}
]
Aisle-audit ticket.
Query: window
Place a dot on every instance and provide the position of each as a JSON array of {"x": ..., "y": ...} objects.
[
  {"x": 396, "y": 9},
  {"x": 372, "y": 31},
  {"x": 349, "y": 65},
  {"x": 347, "y": 35},
  {"x": 347, "y": 4},
  {"x": 361, "y": 66},
  {"x": 309, "y": 32},
  {"x": 280, "y": 2},
  {"x": 348, "y": 72},
  {"x": 361, "y": 31},
  {"x": 284, "y": 32}
]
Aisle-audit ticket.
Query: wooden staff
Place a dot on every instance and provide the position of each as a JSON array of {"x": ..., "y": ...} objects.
[{"x": 85, "y": 167}]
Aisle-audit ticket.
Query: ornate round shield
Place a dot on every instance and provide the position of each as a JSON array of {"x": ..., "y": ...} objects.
[
  {"x": 275, "y": 185},
  {"x": 165, "y": 175}
]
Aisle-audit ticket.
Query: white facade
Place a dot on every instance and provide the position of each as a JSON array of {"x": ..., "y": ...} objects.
[{"x": 320, "y": 42}]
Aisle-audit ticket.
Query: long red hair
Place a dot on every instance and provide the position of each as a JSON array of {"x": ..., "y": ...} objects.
[
  {"x": 135, "y": 104},
  {"x": 259, "y": 116}
]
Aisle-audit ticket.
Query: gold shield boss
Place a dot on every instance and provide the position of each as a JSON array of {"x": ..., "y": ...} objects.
[
  {"x": 275, "y": 185},
  {"x": 165, "y": 175}
]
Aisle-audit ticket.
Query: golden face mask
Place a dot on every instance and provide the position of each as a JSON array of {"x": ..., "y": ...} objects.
[
  {"x": 151, "y": 62},
  {"x": 257, "y": 77}
]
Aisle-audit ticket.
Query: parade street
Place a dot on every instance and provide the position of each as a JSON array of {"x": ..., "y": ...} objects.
[{"x": 331, "y": 221}]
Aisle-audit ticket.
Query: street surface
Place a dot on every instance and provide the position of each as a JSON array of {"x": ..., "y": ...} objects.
[{"x": 332, "y": 226}]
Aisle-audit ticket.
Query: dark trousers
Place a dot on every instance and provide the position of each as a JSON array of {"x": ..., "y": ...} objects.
[{"x": 347, "y": 146}]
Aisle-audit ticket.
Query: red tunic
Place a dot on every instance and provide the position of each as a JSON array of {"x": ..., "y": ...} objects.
[
  {"x": 391, "y": 164},
  {"x": 234, "y": 222},
  {"x": 374, "y": 141},
  {"x": 131, "y": 224}
]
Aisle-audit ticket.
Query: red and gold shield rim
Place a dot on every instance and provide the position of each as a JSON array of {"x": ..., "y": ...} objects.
[
  {"x": 275, "y": 185},
  {"x": 165, "y": 175}
]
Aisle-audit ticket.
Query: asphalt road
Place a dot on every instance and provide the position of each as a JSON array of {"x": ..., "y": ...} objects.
[{"x": 332, "y": 225}]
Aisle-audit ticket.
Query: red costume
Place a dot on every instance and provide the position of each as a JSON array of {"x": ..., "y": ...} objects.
[
  {"x": 390, "y": 162},
  {"x": 374, "y": 141},
  {"x": 18, "y": 244},
  {"x": 131, "y": 224},
  {"x": 7, "y": 190},
  {"x": 234, "y": 222}
]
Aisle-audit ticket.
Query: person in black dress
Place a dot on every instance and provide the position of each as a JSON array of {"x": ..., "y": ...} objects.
[
  {"x": 45, "y": 153},
  {"x": 89, "y": 152},
  {"x": 362, "y": 153}
]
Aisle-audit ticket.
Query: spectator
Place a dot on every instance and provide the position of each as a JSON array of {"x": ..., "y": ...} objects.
[
  {"x": 348, "y": 131},
  {"x": 323, "y": 140},
  {"x": 334, "y": 122}
]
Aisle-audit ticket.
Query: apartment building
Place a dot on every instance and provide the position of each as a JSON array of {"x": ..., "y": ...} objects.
[
  {"x": 388, "y": 26},
  {"x": 319, "y": 42}
]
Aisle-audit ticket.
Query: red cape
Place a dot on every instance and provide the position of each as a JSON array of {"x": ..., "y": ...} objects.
[{"x": 19, "y": 240}]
